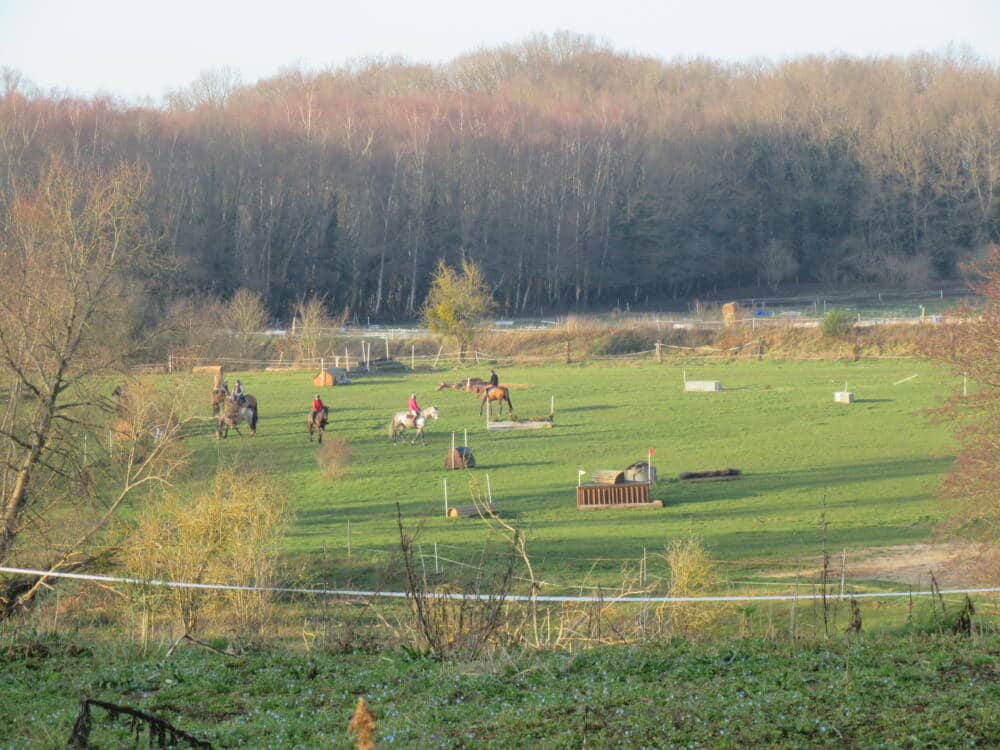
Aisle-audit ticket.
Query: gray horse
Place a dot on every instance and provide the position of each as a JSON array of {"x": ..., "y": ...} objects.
[
  {"x": 232, "y": 413},
  {"x": 403, "y": 419}
]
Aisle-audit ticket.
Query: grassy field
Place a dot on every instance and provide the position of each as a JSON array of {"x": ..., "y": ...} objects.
[
  {"x": 875, "y": 465},
  {"x": 895, "y": 691}
]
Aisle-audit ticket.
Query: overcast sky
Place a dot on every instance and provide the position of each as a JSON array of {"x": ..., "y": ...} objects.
[{"x": 135, "y": 48}]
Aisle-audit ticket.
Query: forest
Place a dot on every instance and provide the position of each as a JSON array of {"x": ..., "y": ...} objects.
[{"x": 576, "y": 176}]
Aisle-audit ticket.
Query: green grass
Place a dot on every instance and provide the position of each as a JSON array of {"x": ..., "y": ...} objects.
[
  {"x": 876, "y": 464},
  {"x": 894, "y": 691}
]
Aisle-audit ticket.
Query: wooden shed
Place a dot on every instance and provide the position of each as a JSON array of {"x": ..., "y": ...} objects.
[{"x": 331, "y": 376}]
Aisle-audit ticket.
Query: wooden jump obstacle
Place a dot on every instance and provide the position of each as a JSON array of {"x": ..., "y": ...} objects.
[
  {"x": 621, "y": 495},
  {"x": 473, "y": 511},
  {"x": 702, "y": 385},
  {"x": 519, "y": 425},
  {"x": 714, "y": 475}
]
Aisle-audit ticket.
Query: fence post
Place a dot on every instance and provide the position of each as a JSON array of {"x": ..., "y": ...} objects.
[
  {"x": 659, "y": 352},
  {"x": 567, "y": 353},
  {"x": 170, "y": 364},
  {"x": 413, "y": 365},
  {"x": 438, "y": 356}
]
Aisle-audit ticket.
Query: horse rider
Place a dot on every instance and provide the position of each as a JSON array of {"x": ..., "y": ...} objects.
[
  {"x": 238, "y": 395},
  {"x": 494, "y": 380},
  {"x": 413, "y": 408},
  {"x": 318, "y": 406}
]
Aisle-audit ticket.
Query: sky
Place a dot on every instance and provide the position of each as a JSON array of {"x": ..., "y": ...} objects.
[{"x": 139, "y": 49}]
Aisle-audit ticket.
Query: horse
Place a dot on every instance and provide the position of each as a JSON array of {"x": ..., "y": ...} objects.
[
  {"x": 220, "y": 397},
  {"x": 403, "y": 419},
  {"x": 233, "y": 413},
  {"x": 316, "y": 422},
  {"x": 488, "y": 394}
]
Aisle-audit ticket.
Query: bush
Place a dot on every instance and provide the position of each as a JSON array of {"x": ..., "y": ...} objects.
[
  {"x": 333, "y": 457},
  {"x": 837, "y": 323}
]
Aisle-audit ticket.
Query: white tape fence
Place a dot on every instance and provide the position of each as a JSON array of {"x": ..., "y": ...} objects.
[{"x": 360, "y": 594}]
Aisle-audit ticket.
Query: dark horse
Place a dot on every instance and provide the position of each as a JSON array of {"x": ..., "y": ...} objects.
[
  {"x": 488, "y": 395},
  {"x": 316, "y": 422}
]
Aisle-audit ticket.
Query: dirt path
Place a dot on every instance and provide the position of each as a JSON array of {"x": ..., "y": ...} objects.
[{"x": 905, "y": 563}]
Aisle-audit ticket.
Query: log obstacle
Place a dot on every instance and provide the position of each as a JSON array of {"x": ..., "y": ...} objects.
[
  {"x": 712, "y": 475},
  {"x": 519, "y": 425},
  {"x": 473, "y": 511},
  {"x": 624, "y": 495},
  {"x": 607, "y": 476}
]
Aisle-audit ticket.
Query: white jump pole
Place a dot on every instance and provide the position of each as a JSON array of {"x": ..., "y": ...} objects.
[
  {"x": 489, "y": 490},
  {"x": 466, "y": 437},
  {"x": 446, "y": 497},
  {"x": 452, "y": 450}
]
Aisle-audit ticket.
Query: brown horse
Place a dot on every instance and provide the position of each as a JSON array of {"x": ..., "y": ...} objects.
[
  {"x": 488, "y": 395},
  {"x": 316, "y": 422}
]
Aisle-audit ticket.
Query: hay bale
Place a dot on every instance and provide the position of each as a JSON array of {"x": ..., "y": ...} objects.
[
  {"x": 460, "y": 458},
  {"x": 216, "y": 371},
  {"x": 729, "y": 311},
  {"x": 843, "y": 397}
]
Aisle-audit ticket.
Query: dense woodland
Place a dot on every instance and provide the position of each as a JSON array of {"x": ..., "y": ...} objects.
[{"x": 574, "y": 175}]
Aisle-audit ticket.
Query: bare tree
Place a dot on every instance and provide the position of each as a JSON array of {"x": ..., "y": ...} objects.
[
  {"x": 246, "y": 315},
  {"x": 972, "y": 490},
  {"x": 70, "y": 256}
]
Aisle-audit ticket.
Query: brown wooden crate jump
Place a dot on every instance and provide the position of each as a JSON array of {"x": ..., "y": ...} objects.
[{"x": 625, "y": 495}]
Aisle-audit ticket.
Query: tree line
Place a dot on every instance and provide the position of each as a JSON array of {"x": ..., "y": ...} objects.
[{"x": 573, "y": 175}]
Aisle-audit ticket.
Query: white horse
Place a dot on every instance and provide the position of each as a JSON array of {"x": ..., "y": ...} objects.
[{"x": 403, "y": 419}]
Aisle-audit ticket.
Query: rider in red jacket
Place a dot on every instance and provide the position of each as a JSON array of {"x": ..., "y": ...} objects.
[
  {"x": 413, "y": 406},
  {"x": 318, "y": 406}
]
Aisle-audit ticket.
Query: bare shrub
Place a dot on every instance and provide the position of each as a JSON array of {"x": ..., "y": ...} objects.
[
  {"x": 229, "y": 536},
  {"x": 333, "y": 457},
  {"x": 691, "y": 574},
  {"x": 455, "y": 619}
]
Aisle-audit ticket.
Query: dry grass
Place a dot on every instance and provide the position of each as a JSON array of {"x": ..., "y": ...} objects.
[
  {"x": 362, "y": 724},
  {"x": 333, "y": 457}
]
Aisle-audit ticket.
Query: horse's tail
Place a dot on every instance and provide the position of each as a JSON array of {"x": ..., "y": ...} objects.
[
  {"x": 506, "y": 395},
  {"x": 253, "y": 419}
]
